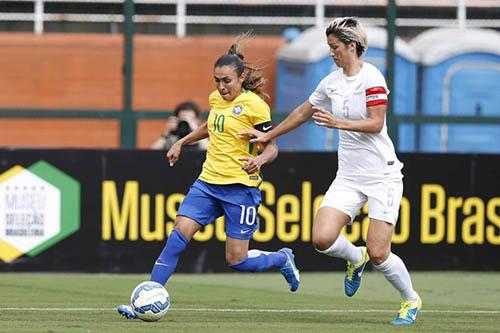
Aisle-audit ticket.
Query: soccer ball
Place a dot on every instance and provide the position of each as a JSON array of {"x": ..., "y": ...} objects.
[{"x": 150, "y": 301}]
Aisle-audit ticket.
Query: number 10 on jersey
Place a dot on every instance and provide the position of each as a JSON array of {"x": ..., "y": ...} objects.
[{"x": 219, "y": 123}]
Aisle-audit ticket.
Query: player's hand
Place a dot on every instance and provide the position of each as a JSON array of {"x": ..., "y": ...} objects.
[
  {"x": 255, "y": 136},
  {"x": 324, "y": 118},
  {"x": 252, "y": 164},
  {"x": 174, "y": 152}
]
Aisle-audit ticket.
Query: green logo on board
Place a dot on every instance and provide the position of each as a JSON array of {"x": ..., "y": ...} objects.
[{"x": 39, "y": 206}]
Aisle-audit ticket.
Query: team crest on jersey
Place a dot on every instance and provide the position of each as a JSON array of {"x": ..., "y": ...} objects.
[{"x": 237, "y": 109}]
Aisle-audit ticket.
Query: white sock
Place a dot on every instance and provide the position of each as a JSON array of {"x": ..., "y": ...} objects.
[
  {"x": 396, "y": 273},
  {"x": 344, "y": 249}
]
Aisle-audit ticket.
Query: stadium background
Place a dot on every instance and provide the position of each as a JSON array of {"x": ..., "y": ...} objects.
[
  {"x": 81, "y": 74},
  {"x": 84, "y": 92}
]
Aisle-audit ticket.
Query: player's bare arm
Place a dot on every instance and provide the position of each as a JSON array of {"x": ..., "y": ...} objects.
[
  {"x": 198, "y": 134},
  {"x": 373, "y": 124},
  {"x": 298, "y": 116},
  {"x": 268, "y": 154}
]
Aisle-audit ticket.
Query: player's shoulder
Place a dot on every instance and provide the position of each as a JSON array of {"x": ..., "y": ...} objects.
[
  {"x": 370, "y": 70},
  {"x": 333, "y": 75},
  {"x": 332, "y": 79},
  {"x": 253, "y": 97},
  {"x": 253, "y": 100},
  {"x": 214, "y": 98},
  {"x": 372, "y": 75}
]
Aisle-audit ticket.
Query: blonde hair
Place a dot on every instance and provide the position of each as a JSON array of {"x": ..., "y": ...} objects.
[
  {"x": 348, "y": 30},
  {"x": 254, "y": 79}
]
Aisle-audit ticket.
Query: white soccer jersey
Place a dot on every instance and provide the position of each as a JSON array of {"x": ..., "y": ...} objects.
[{"x": 348, "y": 97}]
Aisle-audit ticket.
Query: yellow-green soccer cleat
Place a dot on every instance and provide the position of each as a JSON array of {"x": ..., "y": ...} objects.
[
  {"x": 352, "y": 279},
  {"x": 408, "y": 312}
]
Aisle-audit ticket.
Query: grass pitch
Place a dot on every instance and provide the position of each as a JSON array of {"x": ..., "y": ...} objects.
[{"x": 452, "y": 302}]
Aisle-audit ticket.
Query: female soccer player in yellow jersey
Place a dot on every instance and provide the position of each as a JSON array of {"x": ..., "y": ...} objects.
[{"x": 228, "y": 182}]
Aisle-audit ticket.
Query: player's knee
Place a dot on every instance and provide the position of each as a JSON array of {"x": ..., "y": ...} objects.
[
  {"x": 186, "y": 227},
  {"x": 321, "y": 242},
  {"x": 377, "y": 254},
  {"x": 233, "y": 259}
]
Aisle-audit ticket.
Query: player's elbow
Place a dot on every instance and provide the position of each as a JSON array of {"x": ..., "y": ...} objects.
[
  {"x": 378, "y": 128},
  {"x": 303, "y": 117},
  {"x": 274, "y": 151},
  {"x": 303, "y": 112}
]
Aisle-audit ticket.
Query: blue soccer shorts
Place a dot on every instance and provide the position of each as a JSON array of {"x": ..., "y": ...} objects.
[{"x": 239, "y": 203}]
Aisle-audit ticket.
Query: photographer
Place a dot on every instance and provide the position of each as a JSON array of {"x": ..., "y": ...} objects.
[{"x": 178, "y": 126}]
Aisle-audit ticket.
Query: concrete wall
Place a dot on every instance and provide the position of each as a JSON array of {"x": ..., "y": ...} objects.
[{"x": 84, "y": 71}]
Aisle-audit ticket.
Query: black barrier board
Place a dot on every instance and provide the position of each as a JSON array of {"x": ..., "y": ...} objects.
[{"x": 111, "y": 211}]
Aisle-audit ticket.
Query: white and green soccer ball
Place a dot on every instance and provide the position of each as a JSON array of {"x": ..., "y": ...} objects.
[{"x": 150, "y": 301}]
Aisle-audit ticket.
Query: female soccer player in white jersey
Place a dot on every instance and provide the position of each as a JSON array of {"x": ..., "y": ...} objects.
[
  {"x": 228, "y": 183},
  {"x": 355, "y": 96}
]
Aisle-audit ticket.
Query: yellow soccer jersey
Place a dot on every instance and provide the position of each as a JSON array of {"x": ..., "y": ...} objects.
[{"x": 225, "y": 121}]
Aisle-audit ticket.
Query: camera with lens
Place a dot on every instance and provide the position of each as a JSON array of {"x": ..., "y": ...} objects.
[{"x": 182, "y": 129}]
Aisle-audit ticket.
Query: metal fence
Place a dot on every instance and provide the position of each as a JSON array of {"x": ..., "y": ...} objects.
[{"x": 301, "y": 13}]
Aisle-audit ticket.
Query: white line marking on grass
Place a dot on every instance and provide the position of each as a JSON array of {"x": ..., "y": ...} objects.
[
  {"x": 55, "y": 309},
  {"x": 263, "y": 310}
]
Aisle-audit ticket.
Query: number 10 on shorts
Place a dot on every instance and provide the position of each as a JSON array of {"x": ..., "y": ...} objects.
[{"x": 248, "y": 215}]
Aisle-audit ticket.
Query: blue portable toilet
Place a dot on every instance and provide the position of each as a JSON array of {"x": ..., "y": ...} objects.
[
  {"x": 460, "y": 77},
  {"x": 405, "y": 80},
  {"x": 303, "y": 63}
]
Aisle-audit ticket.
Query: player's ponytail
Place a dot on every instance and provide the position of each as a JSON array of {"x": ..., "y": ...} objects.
[
  {"x": 235, "y": 47},
  {"x": 254, "y": 79}
]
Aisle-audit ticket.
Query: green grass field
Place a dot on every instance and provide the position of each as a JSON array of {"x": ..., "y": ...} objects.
[{"x": 457, "y": 302}]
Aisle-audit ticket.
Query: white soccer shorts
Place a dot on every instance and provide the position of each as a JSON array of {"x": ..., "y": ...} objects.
[{"x": 383, "y": 196}]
